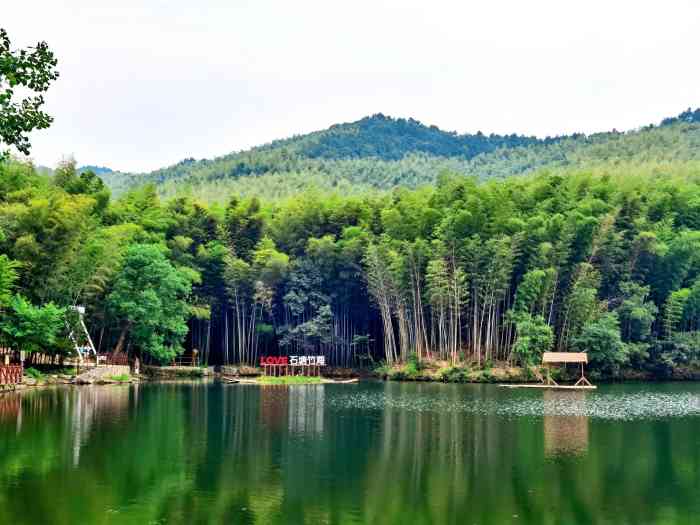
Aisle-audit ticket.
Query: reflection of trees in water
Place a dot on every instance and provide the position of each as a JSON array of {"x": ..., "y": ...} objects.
[
  {"x": 231, "y": 469},
  {"x": 565, "y": 434},
  {"x": 190, "y": 453},
  {"x": 274, "y": 406},
  {"x": 423, "y": 462},
  {"x": 10, "y": 409},
  {"x": 306, "y": 405},
  {"x": 457, "y": 467},
  {"x": 121, "y": 453},
  {"x": 436, "y": 464},
  {"x": 43, "y": 439},
  {"x": 88, "y": 404},
  {"x": 194, "y": 453},
  {"x": 298, "y": 408}
]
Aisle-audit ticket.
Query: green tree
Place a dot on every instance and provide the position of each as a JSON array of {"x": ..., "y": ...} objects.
[
  {"x": 243, "y": 225},
  {"x": 582, "y": 304},
  {"x": 601, "y": 340},
  {"x": 673, "y": 310},
  {"x": 74, "y": 182},
  {"x": 23, "y": 73},
  {"x": 150, "y": 300},
  {"x": 381, "y": 287},
  {"x": 533, "y": 337},
  {"x": 31, "y": 328},
  {"x": 8, "y": 278},
  {"x": 636, "y": 312},
  {"x": 531, "y": 295}
]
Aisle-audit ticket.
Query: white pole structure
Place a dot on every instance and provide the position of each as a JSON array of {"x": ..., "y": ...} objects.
[{"x": 90, "y": 345}]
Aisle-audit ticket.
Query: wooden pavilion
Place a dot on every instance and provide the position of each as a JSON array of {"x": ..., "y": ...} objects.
[{"x": 559, "y": 358}]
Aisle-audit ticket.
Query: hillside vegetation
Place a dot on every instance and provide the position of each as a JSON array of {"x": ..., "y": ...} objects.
[
  {"x": 596, "y": 250},
  {"x": 380, "y": 153},
  {"x": 601, "y": 259}
]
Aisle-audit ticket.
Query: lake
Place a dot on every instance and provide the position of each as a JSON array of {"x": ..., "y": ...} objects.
[{"x": 377, "y": 453}]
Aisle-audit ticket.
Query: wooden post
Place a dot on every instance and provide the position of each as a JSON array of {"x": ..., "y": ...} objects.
[{"x": 582, "y": 380}]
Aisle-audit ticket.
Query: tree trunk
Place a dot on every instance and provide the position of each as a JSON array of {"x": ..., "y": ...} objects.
[{"x": 122, "y": 338}]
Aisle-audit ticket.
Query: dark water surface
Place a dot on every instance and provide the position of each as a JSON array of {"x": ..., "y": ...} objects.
[{"x": 380, "y": 453}]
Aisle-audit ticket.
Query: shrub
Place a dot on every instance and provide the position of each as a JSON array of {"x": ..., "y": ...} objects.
[
  {"x": 382, "y": 370},
  {"x": 415, "y": 362},
  {"x": 34, "y": 373},
  {"x": 397, "y": 374},
  {"x": 412, "y": 369},
  {"x": 678, "y": 351},
  {"x": 488, "y": 376},
  {"x": 454, "y": 374}
]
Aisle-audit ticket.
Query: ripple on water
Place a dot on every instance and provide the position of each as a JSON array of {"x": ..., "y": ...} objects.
[{"x": 603, "y": 405}]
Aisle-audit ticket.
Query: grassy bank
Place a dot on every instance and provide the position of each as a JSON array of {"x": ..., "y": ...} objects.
[
  {"x": 445, "y": 372},
  {"x": 498, "y": 372}
]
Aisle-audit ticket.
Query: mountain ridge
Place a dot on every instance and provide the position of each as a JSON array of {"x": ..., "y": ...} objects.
[{"x": 381, "y": 152}]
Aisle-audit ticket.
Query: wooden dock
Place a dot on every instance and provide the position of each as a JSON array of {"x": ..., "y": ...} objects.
[{"x": 549, "y": 387}]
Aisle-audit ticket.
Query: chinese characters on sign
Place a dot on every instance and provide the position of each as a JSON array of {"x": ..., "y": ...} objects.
[
  {"x": 295, "y": 360},
  {"x": 304, "y": 360}
]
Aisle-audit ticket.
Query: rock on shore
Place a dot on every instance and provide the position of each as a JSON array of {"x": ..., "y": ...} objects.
[{"x": 102, "y": 375}]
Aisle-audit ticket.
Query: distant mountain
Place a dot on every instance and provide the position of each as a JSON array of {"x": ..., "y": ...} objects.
[
  {"x": 381, "y": 152},
  {"x": 97, "y": 170},
  {"x": 387, "y": 138},
  {"x": 688, "y": 116}
]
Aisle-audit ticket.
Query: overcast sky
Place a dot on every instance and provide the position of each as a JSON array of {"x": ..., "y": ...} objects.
[{"x": 147, "y": 83}]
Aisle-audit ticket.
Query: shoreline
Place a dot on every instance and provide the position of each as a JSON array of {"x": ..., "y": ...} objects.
[
  {"x": 443, "y": 372},
  {"x": 426, "y": 372}
]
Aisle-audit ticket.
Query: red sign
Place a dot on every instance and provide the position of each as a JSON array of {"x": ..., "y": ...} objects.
[
  {"x": 272, "y": 360},
  {"x": 294, "y": 360}
]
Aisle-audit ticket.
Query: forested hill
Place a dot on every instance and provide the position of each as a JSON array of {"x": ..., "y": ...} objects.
[
  {"x": 386, "y": 138},
  {"x": 381, "y": 152}
]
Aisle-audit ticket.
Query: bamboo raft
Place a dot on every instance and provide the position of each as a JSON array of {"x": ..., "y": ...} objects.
[{"x": 549, "y": 387}]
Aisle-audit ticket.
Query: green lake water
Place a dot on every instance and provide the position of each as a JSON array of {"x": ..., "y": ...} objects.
[{"x": 378, "y": 453}]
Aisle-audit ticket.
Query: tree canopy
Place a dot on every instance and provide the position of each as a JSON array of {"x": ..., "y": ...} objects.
[
  {"x": 464, "y": 271},
  {"x": 24, "y": 75},
  {"x": 150, "y": 297}
]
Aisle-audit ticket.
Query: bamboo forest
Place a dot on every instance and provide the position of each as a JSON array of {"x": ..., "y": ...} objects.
[{"x": 464, "y": 271}]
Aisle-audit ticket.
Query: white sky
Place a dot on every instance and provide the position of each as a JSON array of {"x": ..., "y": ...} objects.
[{"x": 147, "y": 83}]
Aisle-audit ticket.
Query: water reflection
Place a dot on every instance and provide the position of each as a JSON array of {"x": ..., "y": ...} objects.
[
  {"x": 306, "y": 407},
  {"x": 11, "y": 410},
  {"x": 299, "y": 408},
  {"x": 211, "y": 453},
  {"x": 274, "y": 406},
  {"x": 87, "y": 405},
  {"x": 565, "y": 435}
]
